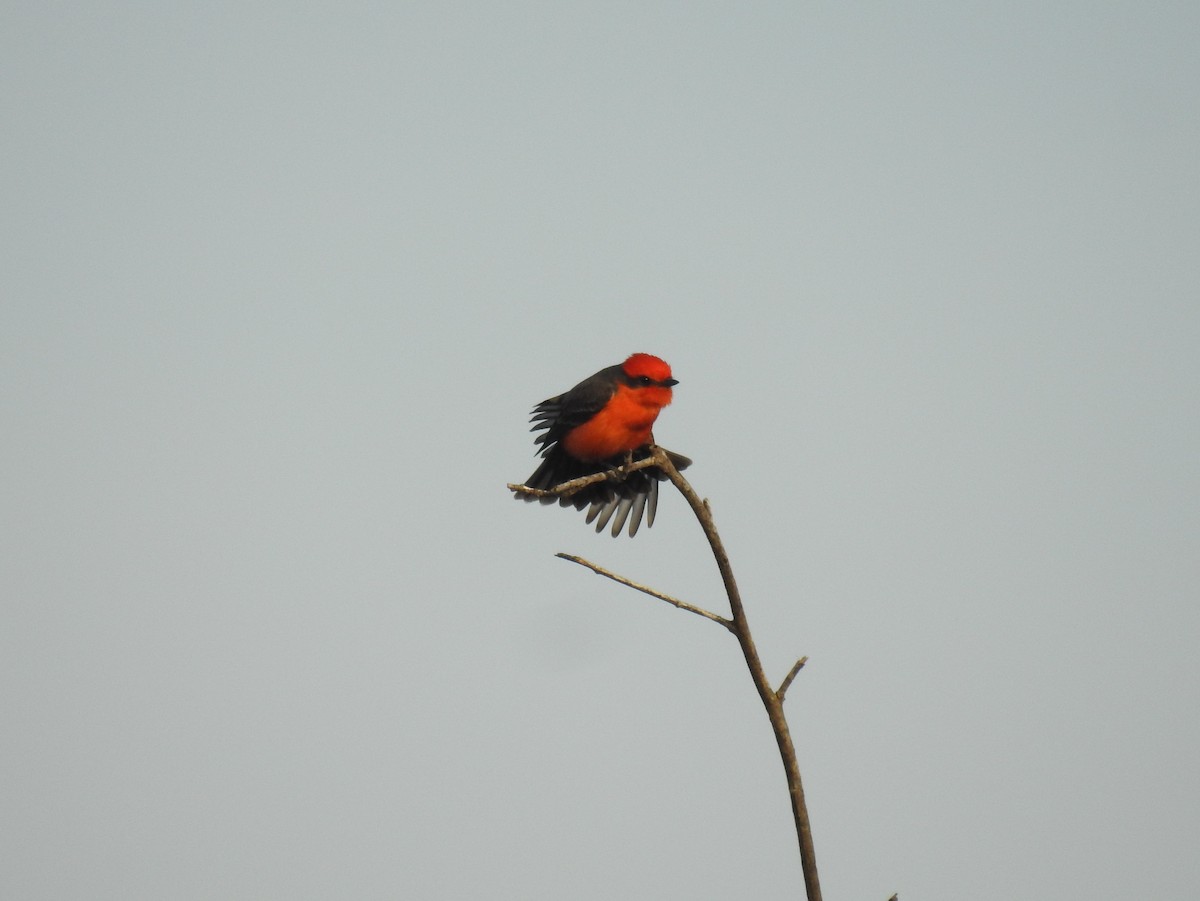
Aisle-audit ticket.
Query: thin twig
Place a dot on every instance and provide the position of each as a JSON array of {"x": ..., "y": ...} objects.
[
  {"x": 654, "y": 593},
  {"x": 787, "y": 680},
  {"x": 566, "y": 489}
]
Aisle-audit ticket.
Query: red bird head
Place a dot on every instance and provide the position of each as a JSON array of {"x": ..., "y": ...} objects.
[{"x": 647, "y": 366}]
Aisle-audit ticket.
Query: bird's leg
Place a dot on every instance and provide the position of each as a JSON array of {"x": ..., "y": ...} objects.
[{"x": 618, "y": 473}]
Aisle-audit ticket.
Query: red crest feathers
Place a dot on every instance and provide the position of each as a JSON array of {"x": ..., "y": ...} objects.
[{"x": 648, "y": 365}]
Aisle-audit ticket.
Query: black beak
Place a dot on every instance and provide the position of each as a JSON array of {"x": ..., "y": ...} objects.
[{"x": 670, "y": 383}]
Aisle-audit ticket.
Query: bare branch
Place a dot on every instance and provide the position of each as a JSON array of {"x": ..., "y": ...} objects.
[
  {"x": 771, "y": 701},
  {"x": 566, "y": 489},
  {"x": 682, "y": 605},
  {"x": 787, "y": 680}
]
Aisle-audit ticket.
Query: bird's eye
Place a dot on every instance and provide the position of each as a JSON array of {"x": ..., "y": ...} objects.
[{"x": 645, "y": 380}]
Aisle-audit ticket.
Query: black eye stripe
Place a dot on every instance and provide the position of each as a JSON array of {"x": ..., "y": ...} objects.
[{"x": 645, "y": 380}]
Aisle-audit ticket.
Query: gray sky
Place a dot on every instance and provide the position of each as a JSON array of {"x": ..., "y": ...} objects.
[{"x": 280, "y": 286}]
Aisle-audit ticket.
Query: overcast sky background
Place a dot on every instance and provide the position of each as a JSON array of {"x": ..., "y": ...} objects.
[{"x": 280, "y": 286}]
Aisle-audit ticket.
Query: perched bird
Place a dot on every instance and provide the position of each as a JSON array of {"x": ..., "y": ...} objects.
[{"x": 599, "y": 425}]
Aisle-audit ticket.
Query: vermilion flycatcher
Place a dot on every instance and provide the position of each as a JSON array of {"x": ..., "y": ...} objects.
[{"x": 602, "y": 423}]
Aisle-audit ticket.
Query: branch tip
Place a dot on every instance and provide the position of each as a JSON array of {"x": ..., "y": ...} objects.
[{"x": 789, "y": 678}]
